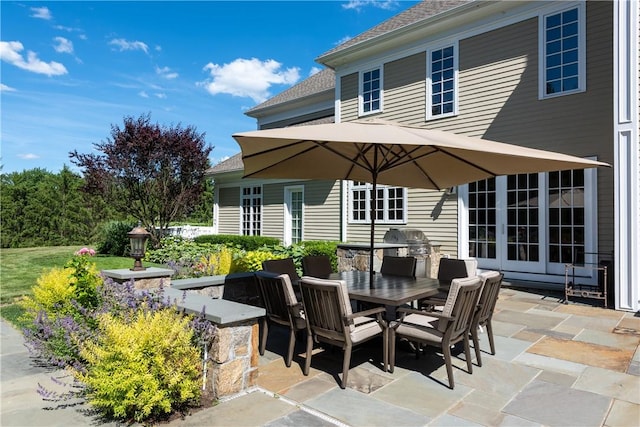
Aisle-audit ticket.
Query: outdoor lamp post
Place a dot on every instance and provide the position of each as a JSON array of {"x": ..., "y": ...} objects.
[{"x": 138, "y": 239}]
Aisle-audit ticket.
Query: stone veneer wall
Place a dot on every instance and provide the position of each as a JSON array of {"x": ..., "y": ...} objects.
[{"x": 233, "y": 358}]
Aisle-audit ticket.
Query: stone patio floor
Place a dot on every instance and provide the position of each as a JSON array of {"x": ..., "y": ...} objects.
[{"x": 556, "y": 365}]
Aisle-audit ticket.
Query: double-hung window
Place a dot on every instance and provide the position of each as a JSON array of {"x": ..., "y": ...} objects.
[
  {"x": 251, "y": 214},
  {"x": 562, "y": 52},
  {"x": 391, "y": 203},
  {"x": 442, "y": 82},
  {"x": 371, "y": 91}
]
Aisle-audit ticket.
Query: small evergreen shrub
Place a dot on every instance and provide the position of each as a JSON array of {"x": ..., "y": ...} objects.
[
  {"x": 145, "y": 368},
  {"x": 247, "y": 243},
  {"x": 113, "y": 238},
  {"x": 252, "y": 260},
  {"x": 322, "y": 247},
  {"x": 58, "y": 315},
  {"x": 180, "y": 250}
]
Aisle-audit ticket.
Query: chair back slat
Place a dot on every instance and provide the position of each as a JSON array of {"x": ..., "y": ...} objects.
[
  {"x": 452, "y": 268},
  {"x": 282, "y": 266},
  {"x": 324, "y": 308},
  {"x": 275, "y": 295},
  {"x": 489, "y": 296},
  {"x": 399, "y": 266},
  {"x": 317, "y": 266},
  {"x": 465, "y": 305}
]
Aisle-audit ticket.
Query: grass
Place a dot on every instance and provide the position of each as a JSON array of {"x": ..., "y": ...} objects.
[{"x": 20, "y": 269}]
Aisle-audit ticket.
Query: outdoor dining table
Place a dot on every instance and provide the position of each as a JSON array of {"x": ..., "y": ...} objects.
[{"x": 388, "y": 290}]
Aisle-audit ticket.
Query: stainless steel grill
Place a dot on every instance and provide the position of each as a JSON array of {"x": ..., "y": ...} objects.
[{"x": 416, "y": 241}]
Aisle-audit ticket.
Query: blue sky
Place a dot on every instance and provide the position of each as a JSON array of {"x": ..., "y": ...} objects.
[{"x": 69, "y": 70}]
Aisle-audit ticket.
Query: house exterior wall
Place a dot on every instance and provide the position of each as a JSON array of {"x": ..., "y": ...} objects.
[
  {"x": 229, "y": 210},
  {"x": 321, "y": 218},
  {"x": 498, "y": 100}
]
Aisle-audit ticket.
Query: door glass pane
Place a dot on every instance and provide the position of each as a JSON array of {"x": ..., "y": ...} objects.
[
  {"x": 296, "y": 216},
  {"x": 566, "y": 210},
  {"x": 522, "y": 218},
  {"x": 482, "y": 219}
]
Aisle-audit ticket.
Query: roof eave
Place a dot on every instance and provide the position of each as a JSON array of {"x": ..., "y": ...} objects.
[
  {"x": 399, "y": 36},
  {"x": 292, "y": 104}
]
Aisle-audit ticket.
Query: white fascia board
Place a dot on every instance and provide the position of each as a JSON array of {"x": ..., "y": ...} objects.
[
  {"x": 292, "y": 113},
  {"x": 475, "y": 22},
  {"x": 453, "y": 21},
  {"x": 296, "y": 104}
]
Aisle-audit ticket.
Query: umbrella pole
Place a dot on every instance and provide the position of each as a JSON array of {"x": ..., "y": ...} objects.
[{"x": 373, "y": 202}]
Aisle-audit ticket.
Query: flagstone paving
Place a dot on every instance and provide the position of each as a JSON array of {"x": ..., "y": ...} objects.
[{"x": 555, "y": 365}]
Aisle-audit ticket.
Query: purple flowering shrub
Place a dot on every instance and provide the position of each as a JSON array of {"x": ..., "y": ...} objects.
[{"x": 69, "y": 316}]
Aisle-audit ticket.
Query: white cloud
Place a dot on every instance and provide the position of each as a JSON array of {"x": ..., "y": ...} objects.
[
  {"x": 41, "y": 13},
  {"x": 5, "y": 88},
  {"x": 128, "y": 45},
  {"x": 166, "y": 73},
  {"x": 28, "y": 156},
  {"x": 63, "y": 45},
  {"x": 343, "y": 40},
  {"x": 143, "y": 94},
  {"x": 314, "y": 70},
  {"x": 248, "y": 78},
  {"x": 10, "y": 52},
  {"x": 380, "y": 4},
  {"x": 160, "y": 95}
]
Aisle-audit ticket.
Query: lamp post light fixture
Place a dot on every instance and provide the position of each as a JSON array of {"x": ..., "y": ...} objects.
[{"x": 138, "y": 239}]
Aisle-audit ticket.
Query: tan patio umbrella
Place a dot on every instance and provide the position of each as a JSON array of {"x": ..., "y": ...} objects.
[{"x": 383, "y": 152}]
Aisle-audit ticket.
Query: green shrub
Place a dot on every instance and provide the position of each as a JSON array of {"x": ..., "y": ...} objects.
[
  {"x": 113, "y": 238},
  {"x": 58, "y": 314},
  {"x": 179, "y": 250},
  {"x": 252, "y": 260},
  {"x": 322, "y": 247},
  {"x": 142, "y": 369},
  {"x": 248, "y": 243}
]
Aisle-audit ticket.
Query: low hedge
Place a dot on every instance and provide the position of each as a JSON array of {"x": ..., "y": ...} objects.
[{"x": 248, "y": 243}]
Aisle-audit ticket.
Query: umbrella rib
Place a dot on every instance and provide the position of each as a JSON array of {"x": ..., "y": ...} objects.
[
  {"x": 354, "y": 162},
  {"x": 293, "y": 144}
]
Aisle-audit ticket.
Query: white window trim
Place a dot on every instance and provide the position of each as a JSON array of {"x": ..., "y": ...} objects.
[
  {"x": 367, "y": 220},
  {"x": 582, "y": 49},
  {"x": 361, "y": 111},
  {"x": 288, "y": 232},
  {"x": 242, "y": 197},
  {"x": 456, "y": 70}
]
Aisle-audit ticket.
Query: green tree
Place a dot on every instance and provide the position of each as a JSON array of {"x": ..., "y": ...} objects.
[
  {"x": 153, "y": 173},
  {"x": 41, "y": 208}
]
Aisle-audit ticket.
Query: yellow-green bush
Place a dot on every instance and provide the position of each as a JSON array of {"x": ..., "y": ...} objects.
[
  {"x": 252, "y": 261},
  {"x": 216, "y": 263},
  {"x": 52, "y": 294},
  {"x": 142, "y": 369}
]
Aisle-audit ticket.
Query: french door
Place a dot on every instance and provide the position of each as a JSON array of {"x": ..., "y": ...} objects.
[{"x": 531, "y": 223}]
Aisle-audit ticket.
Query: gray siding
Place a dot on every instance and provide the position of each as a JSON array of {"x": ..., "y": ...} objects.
[
  {"x": 229, "y": 210},
  {"x": 349, "y": 97},
  {"x": 498, "y": 100},
  {"x": 404, "y": 89},
  {"x": 322, "y": 210}
]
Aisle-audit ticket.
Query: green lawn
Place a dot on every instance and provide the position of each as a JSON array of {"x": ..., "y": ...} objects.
[{"x": 20, "y": 268}]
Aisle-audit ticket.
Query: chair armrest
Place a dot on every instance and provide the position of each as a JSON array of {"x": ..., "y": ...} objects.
[
  {"x": 435, "y": 314},
  {"x": 369, "y": 312}
]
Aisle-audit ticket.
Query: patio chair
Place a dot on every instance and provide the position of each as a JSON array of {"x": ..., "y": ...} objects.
[
  {"x": 444, "y": 329},
  {"x": 331, "y": 321},
  {"x": 282, "y": 266},
  {"x": 449, "y": 269},
  {"x": 282, "y": 308},
  {"x": 398, "y": 266},
  {"x": 484, "y": 313},
  {"x": 317, "y": 266}
]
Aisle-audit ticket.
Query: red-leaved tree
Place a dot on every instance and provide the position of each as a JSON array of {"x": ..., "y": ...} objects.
[{"x": 151, "y": 172}]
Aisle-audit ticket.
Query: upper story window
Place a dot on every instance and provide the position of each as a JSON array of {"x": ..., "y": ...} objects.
[
  {"x": 562, "y": 52},
  {"x": 442, "y": 97},
  {"x": 251, "y": 214},
  {"x": 371, "y": 91},
  {"x": 391, "y": 203}
]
